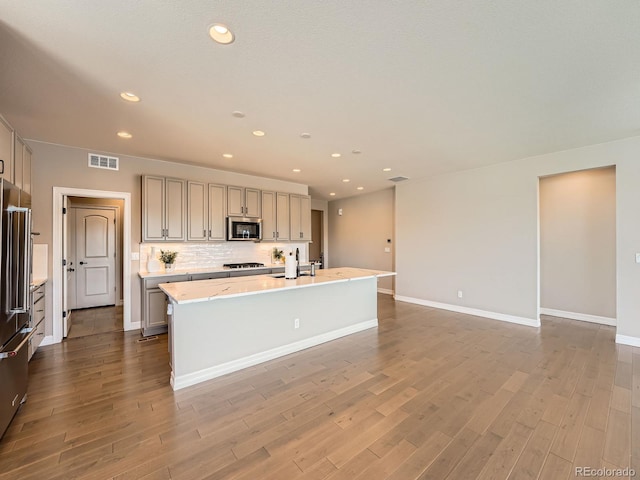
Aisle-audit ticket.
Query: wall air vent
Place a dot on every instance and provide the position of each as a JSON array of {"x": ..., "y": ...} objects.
[
  {"x": 102, "y": 161},
  {"x": 398, "y": 179}
]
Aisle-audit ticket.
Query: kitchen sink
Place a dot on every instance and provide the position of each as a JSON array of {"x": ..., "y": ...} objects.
[{"x": 281, "y": 275}]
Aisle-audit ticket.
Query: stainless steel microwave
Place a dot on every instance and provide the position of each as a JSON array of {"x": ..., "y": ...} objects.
[{"x": 242, "y": 228}]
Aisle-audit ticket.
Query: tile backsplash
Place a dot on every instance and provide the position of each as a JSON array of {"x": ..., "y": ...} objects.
[{"x": 203, "y": 255}]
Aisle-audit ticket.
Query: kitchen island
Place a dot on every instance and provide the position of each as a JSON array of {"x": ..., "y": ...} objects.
[{"x": 223, "y": 325}]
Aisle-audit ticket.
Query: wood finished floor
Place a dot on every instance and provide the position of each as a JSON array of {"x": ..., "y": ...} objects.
[
  {"x": 89, "y": 321},
  {"x": 429, "y": 394}
]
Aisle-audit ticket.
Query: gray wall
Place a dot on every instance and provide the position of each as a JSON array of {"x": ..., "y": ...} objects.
[
  {"x": 358, "y": 237},
  {"x": 578, "y": 242},
  {"x": 62, "y": 166},
  {"x": 477, "y": 231}
]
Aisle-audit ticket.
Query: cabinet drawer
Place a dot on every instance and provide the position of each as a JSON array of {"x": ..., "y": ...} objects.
[
  {"x": 38, "y": 293},
  {"x": 245, "y": 273},
  {"x": 36, "y": 339},
  {"x": 154, "y": 282},
  {"x": 209, "y": 276}
]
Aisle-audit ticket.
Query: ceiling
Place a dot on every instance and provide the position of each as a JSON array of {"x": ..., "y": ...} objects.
[{"x": 422, "y": 87}]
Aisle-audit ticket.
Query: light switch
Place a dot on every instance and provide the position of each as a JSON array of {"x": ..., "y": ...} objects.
[
  {"x": 135, "y": 255},
  {"x": 637, "y": 257},
  {"x": 387, "y": 250}
]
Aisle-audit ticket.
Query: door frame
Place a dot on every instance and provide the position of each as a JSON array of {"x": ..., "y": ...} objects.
[{"x": 58, "y": 195}]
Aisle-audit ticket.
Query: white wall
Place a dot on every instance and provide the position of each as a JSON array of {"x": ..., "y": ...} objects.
[
  {"x": 578, "y": 243},
  {"x": 359, "y": 236},
  {"x": 477, "y": 231},
  {"x": 63, "y": 166}
]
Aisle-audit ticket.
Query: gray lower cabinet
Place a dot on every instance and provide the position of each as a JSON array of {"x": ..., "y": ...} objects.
[
  {"x": 209, "y": 276},
  {"x": 154, "y": 306},
  {"x": 245, "y": 273},
  {"x": 36, "y": 320}
]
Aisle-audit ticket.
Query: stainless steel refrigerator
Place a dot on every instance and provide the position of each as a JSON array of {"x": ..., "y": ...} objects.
[{"x": 15, "y": 280}]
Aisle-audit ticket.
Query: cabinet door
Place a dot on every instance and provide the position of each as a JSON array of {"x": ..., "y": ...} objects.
[
  {"x": 26, "y": 170},
  {"x": 156, "y": 308},
  {"x": 294, "y": 208},
  {"x": 282, "y": 212},
  {"x": 197, "y": 211},
  {"x": 305, "y": 218},
  {"x": 252, "y": 202},
  {"x": 18, "y": 155},
  {"x": 6, "y": 151},
  {"x": 153, "y": 201},
  {"x": 175, "y": 209},
  {"x": 217, "y": 212},
  {"x": 235, "y": 203},
  {"x": 268, "y": 216}
]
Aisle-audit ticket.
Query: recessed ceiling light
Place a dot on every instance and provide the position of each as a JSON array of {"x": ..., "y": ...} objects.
[
  {"x": 333, "y": 194},
  {"x": 360, "y": 188},
  {"x": 258, "y": 133},
  {"x": 356, "y": 152},
  {"x": 124, "y": 135},
  {"x": 129, "y": 97},
  {"x": 305, "y": 135},
  {"x": 297, "y": 170},
  {"x": 346, "y": 180},
  {"x": 221, "y": 33},
  {"x": 386, "y": 169},
  {"x": 227, "y": 155},
  {"x": 238, "y": 114},
  {"x": 336, "y": 155}
]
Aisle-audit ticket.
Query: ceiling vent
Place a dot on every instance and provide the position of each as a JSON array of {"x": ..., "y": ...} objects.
[
  {"x": 398, "y": 179},
  {"x": 102, "y": 161}
]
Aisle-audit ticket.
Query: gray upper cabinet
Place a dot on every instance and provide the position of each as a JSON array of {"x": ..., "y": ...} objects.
[
  {"x": 217, "y": 212},
  {"x": 300, "y": 209},
  {"x": 275, "y": 216},
  {"x": 26, "y": 169},
  {"x": 243, "y": 202},
  {"x": 197, "y": 221},
  {"x": 6, "y": 151},
  {"x": 18, "y": 156},
  {"x": 163, "y": 209},
  {"x": 206, "y": 211}
]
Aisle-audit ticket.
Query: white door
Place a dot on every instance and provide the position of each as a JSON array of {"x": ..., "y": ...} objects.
[
  {"x": 95, "y": 241},
  {"x": 67, "y": 268}
]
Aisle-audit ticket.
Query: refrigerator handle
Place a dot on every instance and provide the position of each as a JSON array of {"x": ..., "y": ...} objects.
[
  {"x": 23, "y": 260},
  {"x": 8, "y": 275}
]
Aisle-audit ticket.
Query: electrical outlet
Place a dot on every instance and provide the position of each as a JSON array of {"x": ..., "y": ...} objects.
[
  {"x": 459, "y": 293},
  {"x": 387, "y": 250},
  {"x": 296, "y": 323},
  {"x": 135, "y": 255},
  {"x": 637, "y": 257}
]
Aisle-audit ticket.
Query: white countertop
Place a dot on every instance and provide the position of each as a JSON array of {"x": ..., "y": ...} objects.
[
  {"x": 205, "y": 290},
  {"x": 37, "y": 281},
  {"x": 194, "y": 270}
]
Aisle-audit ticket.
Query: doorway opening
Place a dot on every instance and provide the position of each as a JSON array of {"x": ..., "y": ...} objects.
[
  {"x": 93, "y": 253},
  {"x": 316, "y": 247},
  {"x": 577, "y": 242},
  {"x": 91, "y": 262}
]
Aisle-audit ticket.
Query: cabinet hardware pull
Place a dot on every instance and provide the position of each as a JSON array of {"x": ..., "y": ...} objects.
[
  {"x": 2, "y": 162},
  {"x": 204, "y": 233},
  {"x": 209, "y": 233}
]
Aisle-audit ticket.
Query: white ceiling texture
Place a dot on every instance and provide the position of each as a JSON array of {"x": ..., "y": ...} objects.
[{"x": 421, "y": 87}]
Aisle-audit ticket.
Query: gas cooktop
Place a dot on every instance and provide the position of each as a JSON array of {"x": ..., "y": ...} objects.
[{"x": 243, "y": 265}]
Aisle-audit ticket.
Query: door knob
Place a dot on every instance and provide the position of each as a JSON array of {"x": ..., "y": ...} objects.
[
  {"x": 71, "y": 269},
  {"x": 84, "y": 263}
]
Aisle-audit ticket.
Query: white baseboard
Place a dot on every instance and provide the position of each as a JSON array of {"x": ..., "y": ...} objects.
[
  {"x": 386, "y": 291},
  {"x": 529, "y": 322},
  {"x": 48, "y": 340},
  {"x": 212, "y": 372},
  {"x": 626, "y": 340},
  {"x": 583, "y": 317}
]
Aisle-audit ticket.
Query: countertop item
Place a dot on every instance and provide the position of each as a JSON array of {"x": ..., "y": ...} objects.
[
  {"x": 189, "y": 271},
  {"x": 205, "y": 290},
  {"x": 37, "y": 281}
]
